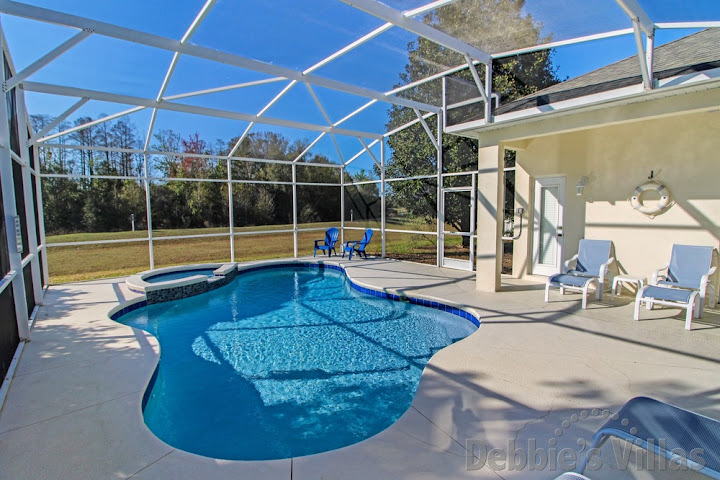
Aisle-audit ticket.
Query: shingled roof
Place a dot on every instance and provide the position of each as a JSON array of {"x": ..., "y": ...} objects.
[{"x": 694, "y": 53}]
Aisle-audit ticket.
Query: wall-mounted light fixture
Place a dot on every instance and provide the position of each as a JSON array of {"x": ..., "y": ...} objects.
[{"x": 581, "y": 184}]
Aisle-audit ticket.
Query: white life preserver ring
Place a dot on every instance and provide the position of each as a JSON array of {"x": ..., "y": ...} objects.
[{"x": 651, "y": 210}]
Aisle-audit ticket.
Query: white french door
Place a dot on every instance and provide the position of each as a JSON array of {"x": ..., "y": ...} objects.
[{"x": 548, "y": 225}]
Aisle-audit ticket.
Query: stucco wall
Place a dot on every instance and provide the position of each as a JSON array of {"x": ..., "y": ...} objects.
[{"x": 684, "y": 153}]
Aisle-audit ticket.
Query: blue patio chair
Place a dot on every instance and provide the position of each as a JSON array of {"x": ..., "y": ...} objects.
[
  {"x": 592, "y": 268},
  {"x": 331, "y": 238},
  {"x": 690, "y": 268},
  {"x": 358, "y": 246},
  {"x": 679, "y": 435}
]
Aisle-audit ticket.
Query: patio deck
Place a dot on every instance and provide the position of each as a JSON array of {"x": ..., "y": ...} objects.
[{"x": 73, "y": 408}]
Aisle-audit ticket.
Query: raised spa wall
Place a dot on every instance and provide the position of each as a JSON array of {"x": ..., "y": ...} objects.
[{"x": 223, "y": 276}]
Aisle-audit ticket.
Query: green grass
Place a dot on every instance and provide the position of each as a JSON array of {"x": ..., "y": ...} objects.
[{"x": 86, "y": 262}]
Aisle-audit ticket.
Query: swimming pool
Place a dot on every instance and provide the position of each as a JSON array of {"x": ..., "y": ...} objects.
[{"x": 286, "y": 362}]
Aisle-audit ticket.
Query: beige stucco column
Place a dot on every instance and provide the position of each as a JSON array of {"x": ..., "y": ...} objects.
[{"x": 489, "y": 219}]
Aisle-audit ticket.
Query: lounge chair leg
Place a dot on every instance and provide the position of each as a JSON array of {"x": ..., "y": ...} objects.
[
  {"x": 585, "y": 295},
  {"x": 638, "y": 300},
  {"x": 599, "y": 291},
  {"x": 547, "y": 292},
  {"x": 694, "y": 304},
  {"x": 562, "y": 291}
]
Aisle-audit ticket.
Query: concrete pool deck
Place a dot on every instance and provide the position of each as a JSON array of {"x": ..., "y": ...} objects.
[{"x": 73, "y": 408}]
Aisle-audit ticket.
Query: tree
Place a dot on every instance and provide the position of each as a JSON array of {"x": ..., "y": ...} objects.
[
  {"x": 123, "y": 135},
  {"x": 504, "y": 27},
  {"x": 85, "y": 137},
  {"x": 362, "y": 200}
]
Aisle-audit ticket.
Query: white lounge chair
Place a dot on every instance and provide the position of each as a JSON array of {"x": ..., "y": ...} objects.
[
  {"x": 685, "y": 285},
  {"x": 691, "y": 268},
  {"x": 592, "y": 268}
]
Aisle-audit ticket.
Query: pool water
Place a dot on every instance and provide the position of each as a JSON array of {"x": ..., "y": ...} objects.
[
  {"x": 286, "y": 362},
  {"x": 164, "y": 277}
]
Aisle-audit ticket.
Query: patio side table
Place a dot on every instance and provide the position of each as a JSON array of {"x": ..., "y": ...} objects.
[{"x": 627, "y": 280}]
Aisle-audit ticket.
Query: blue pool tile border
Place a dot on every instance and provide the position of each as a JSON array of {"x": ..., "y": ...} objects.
[
  {"x": 128, "y": 308},
  {"x": 452, "y": 309}
]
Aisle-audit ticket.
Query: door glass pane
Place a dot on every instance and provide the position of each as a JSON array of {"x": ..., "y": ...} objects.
[
  {"x": 457, "y": 211},
  {"x": 548, "y": 225},
  {"x": 457, "y": 219}
]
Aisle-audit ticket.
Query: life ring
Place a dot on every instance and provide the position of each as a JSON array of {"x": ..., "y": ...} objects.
[{"x": 651, "y": 210}]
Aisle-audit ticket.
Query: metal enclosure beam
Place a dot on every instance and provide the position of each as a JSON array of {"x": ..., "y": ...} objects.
[
  {"x": 440, "y": 217},
  {"x": 58, "y": 120},
  {"x": 427, "y": 129},
  {"x": 642, "y": 57},
  {"x": 561, "y": 43},
  {"x": 383, "y": 200},
  {"x": 226, "y": 88},
  {"x": 397, "y": 18},
  {"x": 637, "y": 14},
  {"x": 90, "y": 124},
  {"x": 342, "y": 208},
  {"x": 650, "y": 59},
  {"x": 484, "y": 93},
  {"x": 30, "y": 210},
  {"x": 488, "y": 101},
  {"x": 708, "y": 24},
  {"x": 309, "y": 147},
  {"x": 294, "y": 210},
  {"x": 41, "y": 218},
  {"x": 367, "y": 149},
  {"x": 357, "y": 155},
  {"x": 45, "y": 59},
  {"x": 148, "y": 208}
]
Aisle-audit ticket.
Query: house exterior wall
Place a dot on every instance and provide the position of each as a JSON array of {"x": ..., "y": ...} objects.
[{"x": 682, "y": 150}]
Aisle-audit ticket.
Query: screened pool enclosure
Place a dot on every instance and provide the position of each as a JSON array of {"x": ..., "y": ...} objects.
[{"x": 146, "y": 134}]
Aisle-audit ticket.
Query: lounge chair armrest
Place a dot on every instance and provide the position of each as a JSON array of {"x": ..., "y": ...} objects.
[
  {"x": 351, "y": 243},
  {"x": 656, "y": 274},
  {"x": 321, "y": 240},
  {"x": 566, "y": 265},
  {"x": 705, "y": 279},
  {"x": 604, "y": 269}
]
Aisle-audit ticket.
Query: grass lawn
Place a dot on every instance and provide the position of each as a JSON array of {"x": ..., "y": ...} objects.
[{"x": 86, "y": 262}]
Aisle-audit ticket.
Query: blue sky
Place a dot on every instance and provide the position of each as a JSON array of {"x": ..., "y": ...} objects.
[{"x": 293, "y": 34}]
